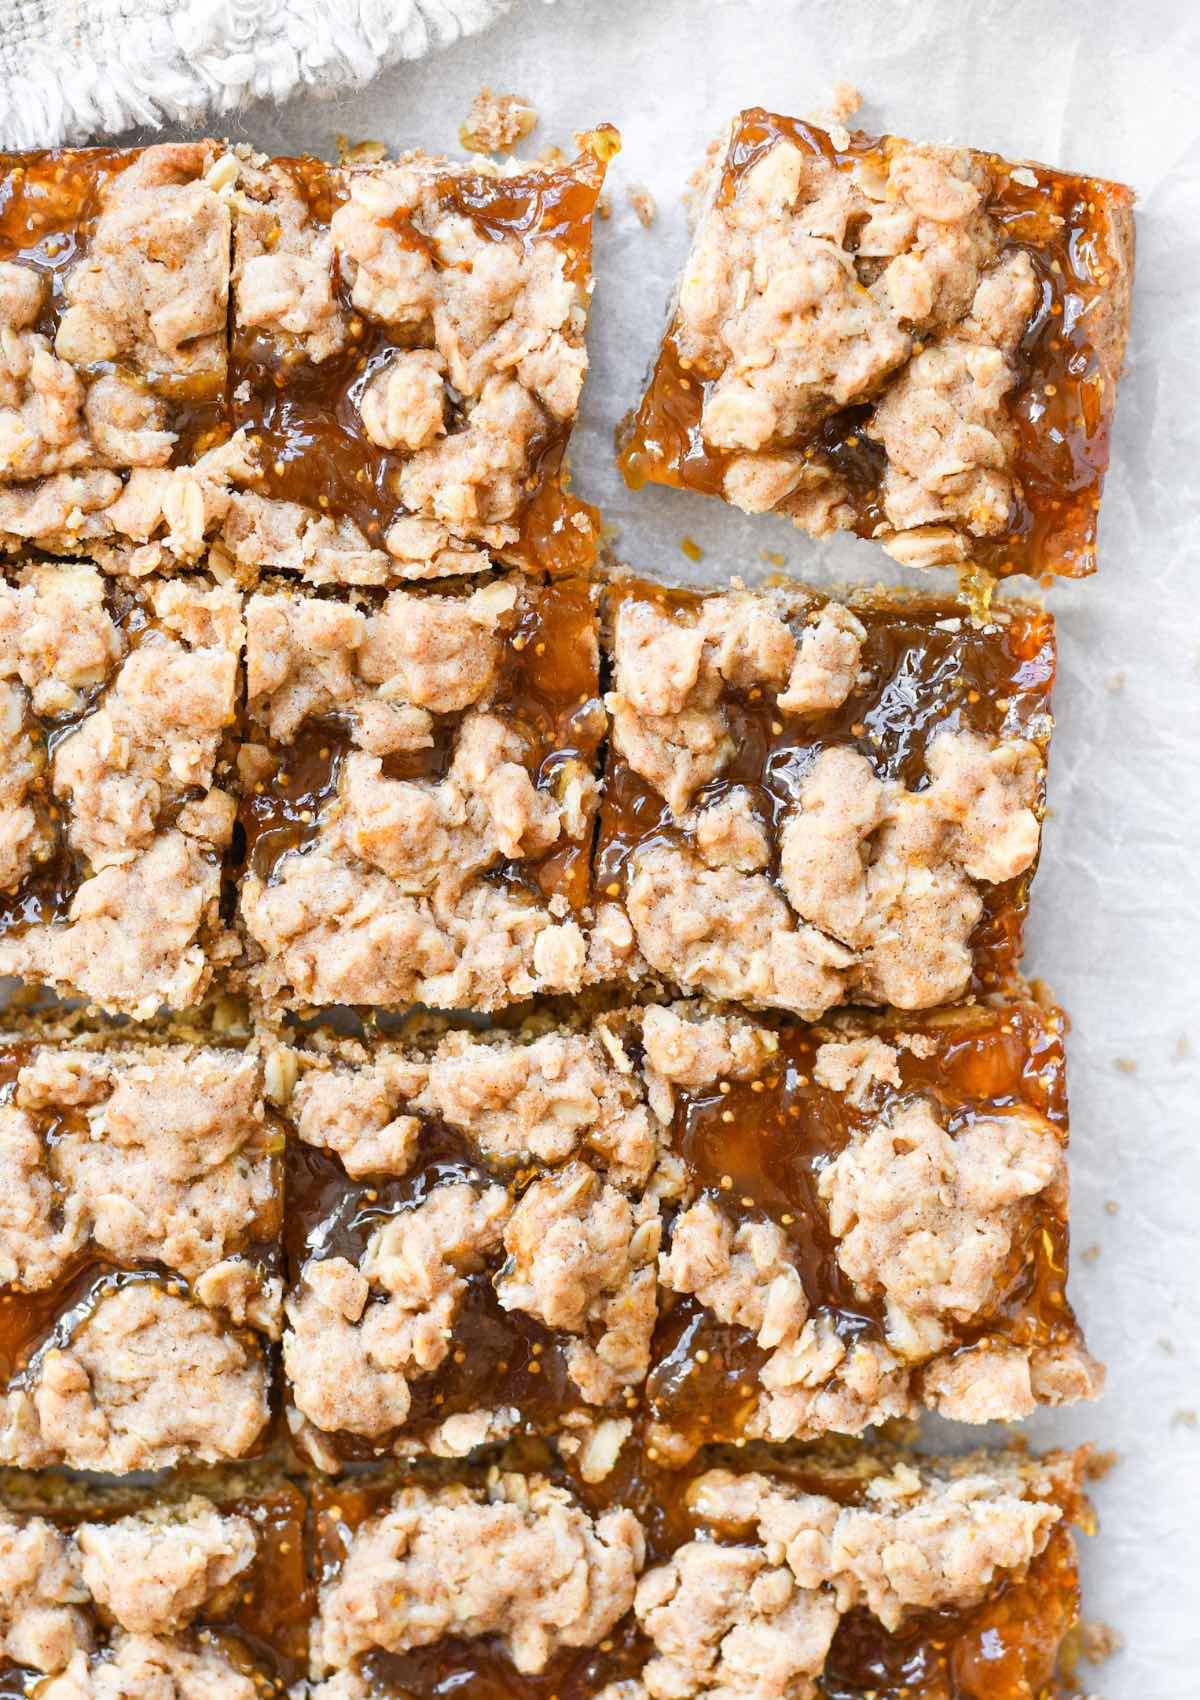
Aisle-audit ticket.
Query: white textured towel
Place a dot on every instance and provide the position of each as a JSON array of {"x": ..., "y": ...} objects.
[{"x": 75, "y": 70}]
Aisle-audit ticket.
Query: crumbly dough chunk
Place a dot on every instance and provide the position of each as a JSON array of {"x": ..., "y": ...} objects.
[
  {"x": 546, "y": 1100},
  {"x": 145, "y": 1381},
  {"x": 581, "y": 1259},
  {"x": 892, "y": 874},
  {"x": 928, "y": 1220},
  {"x": 944, "y": 424},
  {"x": 918, "y": 1541},
  {"x": 41, "y": 1625},
  {"x": 670, "y": 669},
  {"x": 497, "y": 122},
  {"x": 358, "y": 1336},
  {"x": 353, "y": 1112},
  {"x": 151, "y": 1573},
  {"x": 87, "y": 422},
  {"x": 852, "y": 1067},
  {"x": 523, "y": 1563},
  {"x": 147, "y": 1667},
  {"x": 725, "y": 1621},
  {"x": 283, "y": 273},
  {"x": 685, "y": 1047},
  {"x": 730, "y": 934},
  {"x": 881, "y": 884},
  {"x": 388, "y": 671},
  {"x": 171, "y": 1161},
  {"x": 131, "y": 938}
]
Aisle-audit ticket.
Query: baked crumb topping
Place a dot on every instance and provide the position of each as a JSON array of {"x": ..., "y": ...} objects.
[{"x": 522, "y": 1562}]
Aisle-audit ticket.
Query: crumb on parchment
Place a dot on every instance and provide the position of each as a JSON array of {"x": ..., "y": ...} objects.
[{"x": 496, "y": 122}]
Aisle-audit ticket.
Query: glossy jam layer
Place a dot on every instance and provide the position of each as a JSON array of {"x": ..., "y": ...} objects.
[
  {"x": 306, "y": 414},
  {"x": 929, "y": 670},
  {"x": 263, "y": 1629},
  {"x": 49, "y": 203},
  {"x": 757, "y": 1148},
  {"x": 1074, "y": 230},
  {"x": 547, "y": 691},
  {"x": 1005, "y": 1648}
]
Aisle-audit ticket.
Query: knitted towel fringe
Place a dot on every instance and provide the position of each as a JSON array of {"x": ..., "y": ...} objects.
[{"x": 75, "y": 70}]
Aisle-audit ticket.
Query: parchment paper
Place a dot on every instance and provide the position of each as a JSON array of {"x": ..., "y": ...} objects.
[{"x": 1106, "y": 88}]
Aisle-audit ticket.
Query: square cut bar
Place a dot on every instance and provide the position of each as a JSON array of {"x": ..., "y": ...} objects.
[
  {"x": 473, "y": 1228},
  {"x": 419, "y": 793},
  {"x": 407, "y": 357},
  {"x": 811, "y": 801},
  {"x": 871, "y": 1576},
  {"x": 920, "y": 344},
  {"x": 737, "y": 1231},
  {"x": 118, "y": 709},
  {"x": 872, "y": 1218},
  {"x": 140, "y": 1224},
  {"x": 114, "y": 290},
  {"x": 198, "y": 1588}
]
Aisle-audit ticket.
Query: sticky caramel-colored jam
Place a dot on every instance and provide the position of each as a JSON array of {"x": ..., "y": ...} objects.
[
  {"x": 547, "y": 692},
  {"x": 757, "y": 1148},
  {"x": 1075, "y": 231},
  {"x": 1004, "y": 1648},
  {"x": 928, "y": 670},
  {"x": 263, "y": 1628},
  {"x": 49, "y": 204},
  {"x": 305, "y": 414}
]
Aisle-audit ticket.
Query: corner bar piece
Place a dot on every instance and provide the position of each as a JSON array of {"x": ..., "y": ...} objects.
[
  {"x": 920, "y": 344},
  {"x": 419, "y": 795},
  {"x": 139, "y": 1248},
  {"x": 118, "y": 707},
  {"x": 737, "y": 1231},
  {"x": 198, "y": 1589},
  {"x": 810, "y": 802},
  {"x": 114, "y": 288},
  {"x": 407, "y": 359},
  {"x": 885, "y": 1577}
]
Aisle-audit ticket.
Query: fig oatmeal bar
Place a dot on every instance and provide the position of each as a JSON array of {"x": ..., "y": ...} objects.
[
  {"x": 732, "y": 1230},
  {"x": 917, "y": 343},
  {"x": 140, "y": 1222},
  {"x": 194, "y": 1589},
  {"x": 119, "y": 702},
  {"x": 418, "y": 793},
  {"x": 811, "y": 801},
  {"x": 407, "y": 357},
  {"x": 878, "y": 1576}
]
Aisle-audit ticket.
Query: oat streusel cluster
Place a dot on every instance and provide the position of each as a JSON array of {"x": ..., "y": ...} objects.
[{"x": 548, "y": 1069}]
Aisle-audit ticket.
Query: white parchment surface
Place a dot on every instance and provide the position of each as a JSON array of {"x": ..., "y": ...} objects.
[{"x": 1094, "y": 86}]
